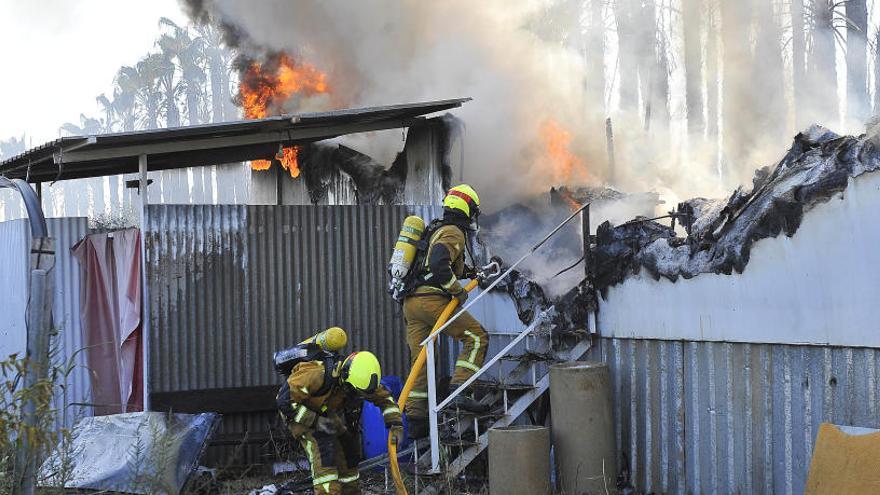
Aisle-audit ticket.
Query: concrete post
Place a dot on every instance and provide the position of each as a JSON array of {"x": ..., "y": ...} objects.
[
  {"x": 519, "y": 460},
  {"x": 583, "y": 427}
]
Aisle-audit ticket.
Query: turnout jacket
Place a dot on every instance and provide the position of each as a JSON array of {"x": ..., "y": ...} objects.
[
  {"x": 314, "y": 392},
  {"x": 444, "y": 262}
]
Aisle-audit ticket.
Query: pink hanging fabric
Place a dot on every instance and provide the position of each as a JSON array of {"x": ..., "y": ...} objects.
[{"x": 110, "y": 299}]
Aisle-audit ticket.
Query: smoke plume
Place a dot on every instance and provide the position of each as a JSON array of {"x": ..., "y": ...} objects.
[
  {"x": 379, "y": 52},
  {"x": 540, "y": 101}
]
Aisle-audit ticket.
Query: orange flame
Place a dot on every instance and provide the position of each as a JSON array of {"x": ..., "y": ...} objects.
[
  {"x": 568, "y": 197},
  {"x": 563, "y": 163},
  {"x": 264, "y": 89}
]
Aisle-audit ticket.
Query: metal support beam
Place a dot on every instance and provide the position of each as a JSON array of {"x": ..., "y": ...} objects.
[{"x": 145, "y": 286}]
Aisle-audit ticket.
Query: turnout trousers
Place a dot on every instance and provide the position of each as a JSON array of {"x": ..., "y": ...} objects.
[
  {"x": 334, "y": 461},
  {"x": 421, "y": 313}
]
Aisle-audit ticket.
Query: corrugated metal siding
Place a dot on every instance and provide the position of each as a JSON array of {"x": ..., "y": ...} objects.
[
  {"x": 67, "y": 320},
  {"x": 714, "y": 417},
  {"x": 15, "y": 239},
  {"x": 229, "y": 285}
]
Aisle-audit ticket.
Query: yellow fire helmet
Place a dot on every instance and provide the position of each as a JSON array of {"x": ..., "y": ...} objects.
[
  {"x": 464, "y": 199},
  {"x": 361, "y": 371}
]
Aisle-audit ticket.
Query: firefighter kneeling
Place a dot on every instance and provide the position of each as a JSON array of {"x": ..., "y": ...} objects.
[{"x": 321, "y": 406}]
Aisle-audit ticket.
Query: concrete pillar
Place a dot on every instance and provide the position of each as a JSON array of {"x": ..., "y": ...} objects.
[
  {"x": 519, "y": 460},
  {"x": 583, "y": 427}
]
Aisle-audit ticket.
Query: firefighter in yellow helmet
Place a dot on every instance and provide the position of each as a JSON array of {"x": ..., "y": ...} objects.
[
  {"x": 438, "y": 282},
  {"x": 321, "y": 406}
]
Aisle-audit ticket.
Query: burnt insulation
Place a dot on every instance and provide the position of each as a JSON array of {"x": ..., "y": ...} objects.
[
  {"x": 818, "y": 166},
  {"x": 571, "y": 310},
  {"x": 323, "y": 164}
]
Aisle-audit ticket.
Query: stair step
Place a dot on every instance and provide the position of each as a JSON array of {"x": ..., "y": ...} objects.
[
  {"x": 529, "y": 357},
  {"x": 455, "y": 442},
  {"x": 510, "y": 387},
  {"x": 471, "y": 415},
  {"x": 517, "y": 407}
]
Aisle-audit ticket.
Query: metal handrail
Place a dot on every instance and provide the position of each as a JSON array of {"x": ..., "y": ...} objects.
[
  {"x": 434, "y": 409},
  {"x": 503, "y": 352},
  {"x": 504, "y": 275}
]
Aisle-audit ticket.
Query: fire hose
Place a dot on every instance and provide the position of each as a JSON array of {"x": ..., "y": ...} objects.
[
  {"x": 410, "y": 382},
  {"x": 442, "y": 323}
]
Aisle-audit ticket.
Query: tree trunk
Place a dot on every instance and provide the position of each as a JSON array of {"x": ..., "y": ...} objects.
[
  {"x": 660, "y": 74},
  {"x": 712, "y": 69},
  {"x": 594, "y": 53},
  {"x": 768, "y": 81},
  {"x": 877, "y": 72},
  {"x": 172, "y": 113},
  {"x": 693, "y": 65},
  {"x": 153, "y": 111},
  {"x": 627, "y": 39},
  {"x": 736, "y": 113},
  {"x": 192, "y": 102},
  {"x": 647, "y": 50},
  {"x": 798, "y": 57},
  {"x": 217, "y": 92},
  {"x": 857, "y": 106},
  {"x": 822, "y": 74}
]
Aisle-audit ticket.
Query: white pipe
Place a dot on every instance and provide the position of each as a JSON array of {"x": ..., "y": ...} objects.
[{"x": 432, "y": 413}]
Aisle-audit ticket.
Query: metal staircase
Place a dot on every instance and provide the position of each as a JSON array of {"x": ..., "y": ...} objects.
[{"x": 513, "y": 379}]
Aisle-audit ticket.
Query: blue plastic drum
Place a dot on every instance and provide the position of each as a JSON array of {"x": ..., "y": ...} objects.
[{"x": 373, "y": 431}]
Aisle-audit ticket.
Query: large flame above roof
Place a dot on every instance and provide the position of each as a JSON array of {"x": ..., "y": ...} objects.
[{"x": 264, "y": 89}]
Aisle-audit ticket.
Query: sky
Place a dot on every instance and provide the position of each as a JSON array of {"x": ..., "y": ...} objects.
[{"x": 58, "y": 55}]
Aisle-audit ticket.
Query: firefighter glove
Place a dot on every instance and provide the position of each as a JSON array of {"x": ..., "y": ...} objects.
[
  {"x": 396, "y": 434},
  {"x": 458, "y": 292},
  {"x": 330, "y": 424}
]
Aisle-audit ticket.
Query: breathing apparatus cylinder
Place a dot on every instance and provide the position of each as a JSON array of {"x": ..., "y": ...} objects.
[
  {"x": 317, "y": 346},
  {"x": 332, "y": 339},
  {"x": 405, "y": 250}
]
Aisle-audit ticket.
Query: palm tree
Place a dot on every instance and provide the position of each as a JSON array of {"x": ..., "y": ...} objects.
[
  {"x": 125, "y": 91},
  {"x": 190, "y": 55},
  {"x": 110, "y": 116},
  {"x": 88, "y": 126},
  {"x": 11, "y": 147},
  {"x": 145, "y": 75},
  {"x": 169, "y": 88},
  {"x": 219, "y": 69}
]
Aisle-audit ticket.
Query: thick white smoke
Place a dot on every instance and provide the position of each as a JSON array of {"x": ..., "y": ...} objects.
[{"x": 378, "y": 52}]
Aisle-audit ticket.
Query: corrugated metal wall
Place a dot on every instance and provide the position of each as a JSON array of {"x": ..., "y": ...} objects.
[
  {"x": 229, "y": 285},
  {"x": 714, "y": 417},
  {"x": 15, "y": 239},
  {"x": 15, "y": 242},
  {"x": 69, "y": 358}
]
